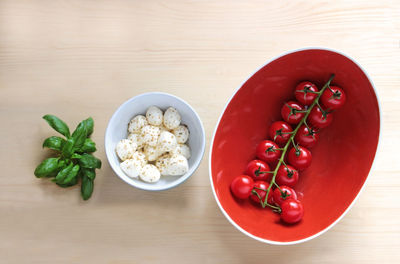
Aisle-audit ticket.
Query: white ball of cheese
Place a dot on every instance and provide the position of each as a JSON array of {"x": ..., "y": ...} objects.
[
  {"x": 150, "y": 173},
  {"x": 183, "y": 150},
  {"x": 140, "y": 158},
  {"x": 172, "y": 118},
  {"x": 154, "y": 116},
  {"x": 150, "y": 135},
  {"x": 125, "y": 149},
  {"x": 177, "y": 165},
  {"x": 162, "y": 164},
  {"x": 136, "y": 124},
  {"x": 136, "y": 138},
  {"x": 152, "y": 153},
  {"x": 181, "y": 133},
  {"x": 133, "y": 166},
  {"x": 166, "y": 141}
]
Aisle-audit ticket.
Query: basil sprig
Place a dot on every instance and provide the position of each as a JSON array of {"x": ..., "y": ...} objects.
[{"x": 74, "y": 160}]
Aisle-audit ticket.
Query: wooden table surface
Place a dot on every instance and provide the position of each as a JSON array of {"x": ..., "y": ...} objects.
[{"x": 77, "y": 59}]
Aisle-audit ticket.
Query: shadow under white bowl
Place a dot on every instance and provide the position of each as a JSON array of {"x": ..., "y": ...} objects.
[{"x": 117, "y": 130}]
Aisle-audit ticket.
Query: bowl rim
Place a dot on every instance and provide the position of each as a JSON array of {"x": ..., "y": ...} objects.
[
  {"x": 273, "y": 242},
  {"x": 181, "y": 179}
]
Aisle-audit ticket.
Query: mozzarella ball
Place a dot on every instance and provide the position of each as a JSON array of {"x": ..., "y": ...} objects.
[
  {"x": 150, "y": 135},
  {"x": 136, "y": 124},
  {"x": 181, "y": 133},
  {"x": 177, "y": 165},
  {"x": 152, "y": 153},
  {"x": 166, "y": 141},
  {"x": 136, "y": 138},
  {"x": 154, "y": 116},
  {"x": 172, "y": 118},
  {"x": 125, "y": 149},
  {"x": 183, "y": 150},
  {"x": 140, "y": 158},
  {"x": 133, "y": 166},
  {"x": 162, "y": 164},
  {"x": 150, "y": 173}
]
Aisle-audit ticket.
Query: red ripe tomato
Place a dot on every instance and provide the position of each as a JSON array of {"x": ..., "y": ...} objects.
[
  {"x": 279, "y": 132},
  {"x": 258, "y": 170},
  {"x": 292, "y": 211},
  {"x": 305, "y": 93},
  {"x": 287, "y": 176},
  {"x": 290, "y": 112},
  {"x": 268, "y": 151},
  {"x": 306, "y": 137},
  {"x": 333, "y": 98},
  {"x": 242, "y": 186},
  {"x": 300, "y": 158},
  {"x": 262, "y": 193},
  {"x": 285, "y": 193},
  {"x": 319, "y": 118}
]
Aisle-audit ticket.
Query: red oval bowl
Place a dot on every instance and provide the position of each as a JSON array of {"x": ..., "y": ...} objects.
[{"x": 342, "y": 158}]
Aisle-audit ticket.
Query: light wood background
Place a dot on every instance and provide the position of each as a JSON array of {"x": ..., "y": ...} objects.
[{"x": 77, "y": 59}]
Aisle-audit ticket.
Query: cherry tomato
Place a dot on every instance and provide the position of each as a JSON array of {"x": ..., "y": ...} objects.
[
  {"x": 258, "y": 169},
  {"x": 292, "y": 211},
  {"x": 333, "y": 98},
  {"x": 268, "y": 151},
  {"x": 319, "y": 118},
  {"x": 305, "y": 93},
  {"x": 264, "y": 186},
  {"x": 287, "y": 176},
  {"x": 242, "y": 186},
  {"x": 300, "y": 158},
  {"x": 306, "y": 137},
  {"x": 285, "y": 193},
  {"x": 290, "y": 114},
  {"x": 279, "y": 132}
]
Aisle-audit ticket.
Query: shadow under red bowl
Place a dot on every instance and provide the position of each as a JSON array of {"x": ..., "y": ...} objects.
[{"x": 342, "y": 158}]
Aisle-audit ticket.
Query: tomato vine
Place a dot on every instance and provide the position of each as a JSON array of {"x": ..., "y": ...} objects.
[{"x": 291, "y": 141}]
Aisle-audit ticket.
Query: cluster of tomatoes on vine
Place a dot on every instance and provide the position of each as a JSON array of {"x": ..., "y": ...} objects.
[{"x": 308, "y": 116}]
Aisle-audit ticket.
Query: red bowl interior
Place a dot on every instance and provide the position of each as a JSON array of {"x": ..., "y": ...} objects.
[{"x": 341, "y": 159}]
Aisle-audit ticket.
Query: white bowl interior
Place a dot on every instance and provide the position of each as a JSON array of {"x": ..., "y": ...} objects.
[{"x": 117, "y": 130}]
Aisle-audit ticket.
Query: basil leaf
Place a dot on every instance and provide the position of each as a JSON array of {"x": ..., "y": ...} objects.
[
  {"x": 63, "y": 173},
  {"x": 61, "y": 165},
  {"x": 89, "y": 125},
  {"x": 87, "y": 187},
  {"x": 73, "y": 182},
  {"x": 71, "y": 174},
  {"x": 90, "y": 173},
  {"x": 89, "y": 161},
  {"x": 57, "y": 124},
  {"x": 79, "y": 135},
  {"x": 67, "y": 149},
  {"x": 89, "y": 146},
  {"x": 46, "y": 167},
  {"x": 55, "y": 143},
  {"x": 76, "y": 156}
]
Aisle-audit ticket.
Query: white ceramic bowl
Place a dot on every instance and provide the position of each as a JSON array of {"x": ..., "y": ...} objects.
[{"x": 117, "y": 130}]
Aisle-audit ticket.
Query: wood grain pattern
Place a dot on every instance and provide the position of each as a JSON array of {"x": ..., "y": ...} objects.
[{"x": 80, "y": 58}]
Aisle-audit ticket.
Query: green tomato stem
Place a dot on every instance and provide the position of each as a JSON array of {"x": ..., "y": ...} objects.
[
  {"x": 309, "y": 91},
  {"x": 303, "y": 120},
  {"x": 277, "y": 186},
  {"x": 278, "y": 209}
]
